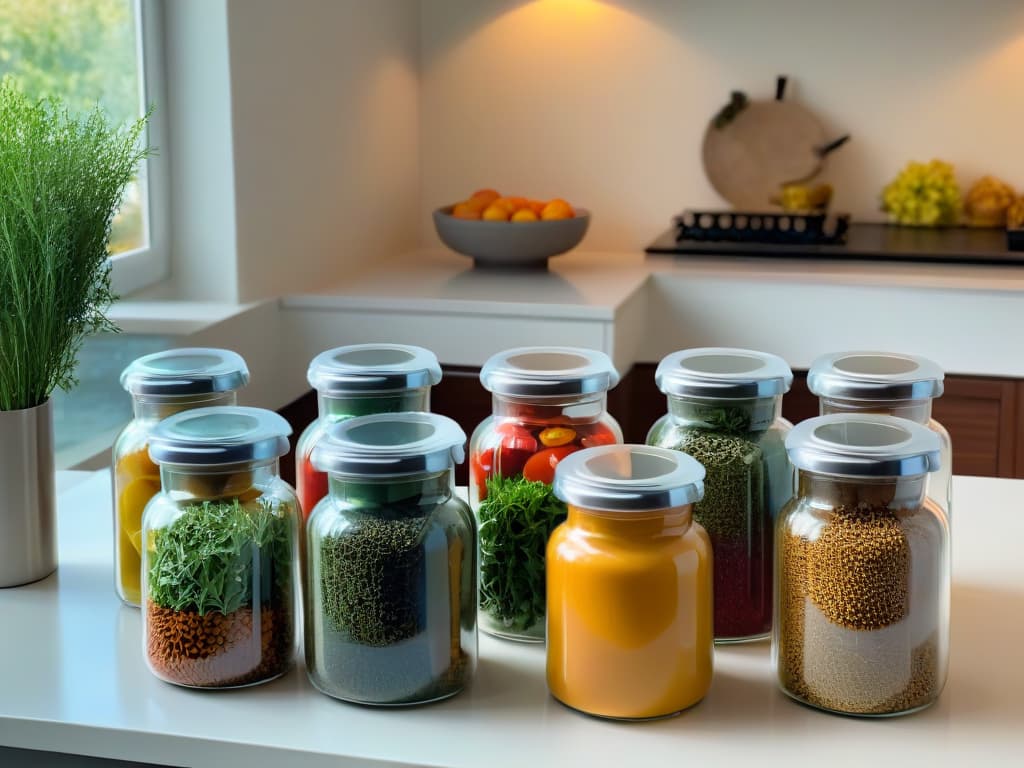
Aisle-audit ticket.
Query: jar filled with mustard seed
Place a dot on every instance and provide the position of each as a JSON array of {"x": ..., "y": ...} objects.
[
  {"x": 862, "y": 558},
  {"x": 220, "y": 550},
  {"x": 359, "y": 380},
  {"x": 161, "y": 385},
  {"x": 725, "y": 410},
  {"x": 629, "y": 585},
  {"x": 896, "y": 384},
  {"x": 391, "y": 563}
]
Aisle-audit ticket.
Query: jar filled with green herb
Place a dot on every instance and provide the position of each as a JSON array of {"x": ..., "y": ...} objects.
[
  {"x": 359, "y": 380},
  {"x": 391, "y": 563},
  {"x": 896, "y": 384},
  {"x": 548, "y": 403},
  {"x": 862, "y": 608},
  {"x": 724, "y": 409},
  {"x": 219, "y": 563}
]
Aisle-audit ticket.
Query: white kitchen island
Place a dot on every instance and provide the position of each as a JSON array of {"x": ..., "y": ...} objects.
[{"x": 73, "y": 680}]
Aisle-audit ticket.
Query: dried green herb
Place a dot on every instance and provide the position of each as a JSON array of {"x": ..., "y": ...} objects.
[
  {"x": 206, "y": 560},
  {"x": 516, "y": 520},
  {"x": 370, "y": 579}
]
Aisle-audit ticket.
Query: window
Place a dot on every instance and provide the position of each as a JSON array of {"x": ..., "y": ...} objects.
[{"x": 89, "y": 51}]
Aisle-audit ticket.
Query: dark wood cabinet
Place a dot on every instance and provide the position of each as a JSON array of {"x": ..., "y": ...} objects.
[{"x": 984, "y": 416}]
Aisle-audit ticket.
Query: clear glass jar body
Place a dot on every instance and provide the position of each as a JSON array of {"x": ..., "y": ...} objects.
[
  {"x": 311, "y": 484},
  {"x": 862, "y": 595},
  {"x": 520, "y": 445},
  {"x": 391, "y": 576},
  {"x": 220, "y": 567},
  {"x": 742, "y": 445},
  {"x": 629, "y": 613},
  {"x": 136, "y": 480},
  {"x": 940, "y": 483}
]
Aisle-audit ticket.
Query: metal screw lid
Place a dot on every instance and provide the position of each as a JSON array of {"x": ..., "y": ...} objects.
[
  {"x": 629, "y": 478},
  {"x": 188, "y": 371},
  {"x": 228, "y": 434},
  {"x": 548, "y": 372},
  {"x": 863, "y": 445},
  {"x": 359, "y": 369},
  {"x": 875, "y": 376},
  {"x": 723, "y": 373},
  {"x": 390, "y": 445}
]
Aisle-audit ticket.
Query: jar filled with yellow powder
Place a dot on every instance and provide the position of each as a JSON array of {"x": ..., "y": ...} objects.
[
  {"x": 629, "y": 584},
  {"x": 161, "y": 385}
]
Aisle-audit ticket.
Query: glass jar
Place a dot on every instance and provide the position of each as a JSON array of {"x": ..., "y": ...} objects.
[
  {"x": 724, "y": 409},
  {"x": 161, "y": 385},
  {"x": 220, "y": 559},
  {"x": 391, "y": 566},
  {"x": 629, "y": 585},
  {"x": 360, "y": 380},
  {"x": 888, "y": 383},
  {"x": 548, "y": 402},
  {"x": 862, "y": 605}
]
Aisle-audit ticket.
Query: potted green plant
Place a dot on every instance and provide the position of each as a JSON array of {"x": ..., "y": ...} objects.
[{"x": 61, "y": 181}]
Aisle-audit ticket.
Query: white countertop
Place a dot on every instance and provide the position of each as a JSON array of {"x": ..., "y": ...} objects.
[{"x": 72, "y": 679}]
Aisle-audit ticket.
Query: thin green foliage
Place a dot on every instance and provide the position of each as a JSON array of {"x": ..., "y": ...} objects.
[
  {"x": 207, "y": 559},
  {"x": 516, "y": 520},
  {"x": 61, "y": 181}
]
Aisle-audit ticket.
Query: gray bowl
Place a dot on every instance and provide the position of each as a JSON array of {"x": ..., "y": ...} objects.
[{"x": 508, "y": 244}]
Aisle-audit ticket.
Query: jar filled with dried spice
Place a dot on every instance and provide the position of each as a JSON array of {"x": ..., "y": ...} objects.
[
  {"x": 890, "y": 383},
  {"x": 862, "y": 609},
  {"x": 161, "y": 385},
  {"x": 359, "y": 380},
  {"x": 724, "y": 409},
  {"x": 391, "y": 563},
  {"x": 220, "y": 557},
  {"x": 629, "y": 585},
  {"x": 548, "y": 403}
]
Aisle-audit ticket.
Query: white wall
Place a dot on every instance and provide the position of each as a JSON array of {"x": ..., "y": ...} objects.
[
  {"x": 324, "y": 114},
  {"x": 605, "y": 103}
]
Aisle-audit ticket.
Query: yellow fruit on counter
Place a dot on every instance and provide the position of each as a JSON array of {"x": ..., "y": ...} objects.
[
  {"x": 495, "y": 212},
  {"x": 987, "y": 202},
  {"x": 557, "y": 209},
  {"x": 923, "y": 195},
  {"x": 1015, "y": 214},
  {"x": 524, "y": 214},
  {"x": 802, "y": 197}
]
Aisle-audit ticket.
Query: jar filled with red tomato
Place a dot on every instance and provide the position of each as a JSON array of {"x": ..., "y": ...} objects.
[
  {"x": 360, "y": 380},
  {"x": 548, "y": 402}
]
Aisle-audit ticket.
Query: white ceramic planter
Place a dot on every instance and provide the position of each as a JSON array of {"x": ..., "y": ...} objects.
[{"x": 28, "y": 498}]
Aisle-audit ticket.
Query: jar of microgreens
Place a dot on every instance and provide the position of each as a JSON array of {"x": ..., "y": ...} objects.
[
  {"x": 359, "y": 380},
  {"x": 629, "y": 585},
  {"x": 161, "y": 385},
  {"x": 391, "y": 563},
  {"x": 724, "y": 409},
  {"x": 548, "y": 402},
  {"x": 862, "y": 558},
  {"x": 890, "y": 383},
  {"x": 220, "y": 559}
]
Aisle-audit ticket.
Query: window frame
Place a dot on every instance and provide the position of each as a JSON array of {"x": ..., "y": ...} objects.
[{"x": 142, "y": 267}]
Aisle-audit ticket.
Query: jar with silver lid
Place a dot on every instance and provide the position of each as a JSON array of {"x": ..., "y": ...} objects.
[
  {"x": 629, "y": 585},
  {"x": 161, "y": 385},
  {"x": 725, "y": 410},
  {"x": 359, "y": 380},
  {"x": 862, "y": 558},
  {"x": 220, "y": 552},
  {"x": 391, "y": 563},
  {"x": 548, "y": 403},
  {"x": 890, "y": 383}
]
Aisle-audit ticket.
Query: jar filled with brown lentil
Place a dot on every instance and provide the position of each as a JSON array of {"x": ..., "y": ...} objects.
[{"x": 862, "y": 568}]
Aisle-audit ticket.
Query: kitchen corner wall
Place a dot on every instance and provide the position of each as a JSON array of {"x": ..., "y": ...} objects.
[{"x": 605, "y": 103}]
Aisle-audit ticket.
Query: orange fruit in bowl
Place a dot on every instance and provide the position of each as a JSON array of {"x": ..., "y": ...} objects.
[
  {"x": 485, "y": 196},
  {"x": 524, "y": 214},
  {"x": 537, "y": 206},
  {"x": 466, "y": 210},
  {"x": 506, "y": 203},
  {"x": 496, "y": 212},
  {"x": 518, "y": 202},
  {"x": 557, "y": 209}
]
